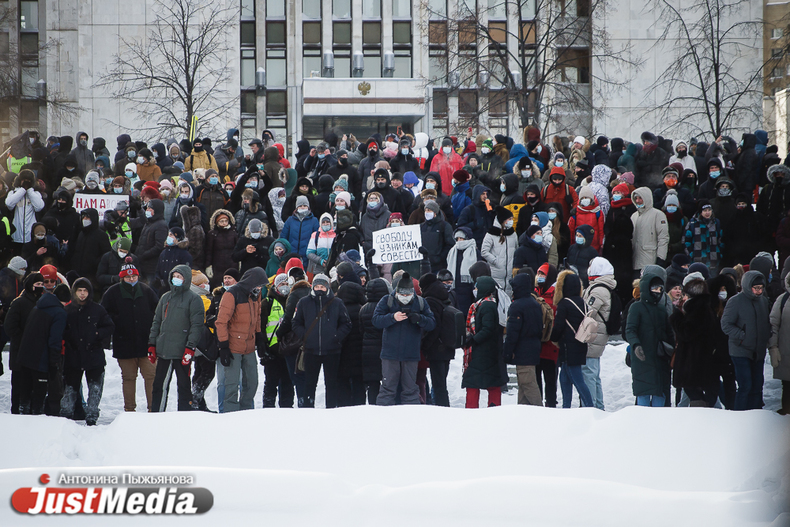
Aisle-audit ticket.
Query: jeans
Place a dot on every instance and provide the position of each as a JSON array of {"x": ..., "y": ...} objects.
[
  {"x": 547, "y": 372},
  {"x": 571, "y": 376},
  {"x": 650, "y": 400},
  {"x": 528, "y": 392},
  {"x": 394, "y": 373},
  {"x": 312, "y": 367},
  {"x": 592, "y": 377},
  {"x": 73, "y": 383},
  {"x": 439, "y": 371},
  {"x": 164, "y": 374},
  {"x": 749, "y": 376},
  {"x": 247, "y": 365}
]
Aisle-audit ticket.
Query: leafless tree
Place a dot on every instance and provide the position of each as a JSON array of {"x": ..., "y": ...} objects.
[
  {"x": 17, "y": 88},
  {"x": 714, "y": 85},
  {"x": 562, "y": 60},
  {"x": 178, "y": 71}
]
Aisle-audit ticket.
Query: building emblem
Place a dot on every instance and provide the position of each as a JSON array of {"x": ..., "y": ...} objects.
[{"x": 364, "y": 87}]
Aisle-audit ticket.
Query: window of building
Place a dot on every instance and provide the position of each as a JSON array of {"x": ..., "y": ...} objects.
[
  {"x": 497, "y": 9},
  {"x": 371, "y": 9},
  {"x": 574, "y": 65},
  {"x": 467, "y": 34},
  {"x": 402, "y": 64},
  {"x": 275, "y": 34},
  {"x": 776, "y": 73},
  {"x": 437, "y": 52},
  {"x": 439, "y": 102},
  {"x": 497, "y": 104},
  {"x": 311, "y": 33},
  {"x": 28, "y": 16},
  {"x": 371, "y": 33},
  {"x": 311, "y": 62},
  {"x": 248, "y": 9},
  {"x": 776, "y": 53},
  {"x": 276, "y": 103},
  {"x": 401, "y": 8},
  {"x": 275, "y": 8},
  {"x": 311, "y": 9},
  {"x": 527, "y": 8},
  {"x": 247, "y": 102},
  {"x": 575, "y": 8},
  {"x": 437, "y": 33},
  {"x": 248, "y": 67},
  {"x": 497, "y": 32},
  {"x": 777, "y": 33},
  {"x": 467, "y": 102},
  {"x": 5, "y": 47},
  {"x": 401, "y": 33},
  {"x": 28, "y": 114},
  {"x": 467, "y": 8},
  {"x": 248, "y": 34},
  {"x": 275, "y": 67},
  {"x": 437, "y": 8},
  {"x": 341, "y": 9},
  {"x": 437, "y": 68},
  {"x": 28, "y": 44},
  {"x": 341, "y": 33}
]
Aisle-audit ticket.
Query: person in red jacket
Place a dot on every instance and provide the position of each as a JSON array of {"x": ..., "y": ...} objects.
[
  {"x": 446, "y": 162},
  {"x": 560, "y": 192},
  {"x": 588, "y": 212},
  {"x": 547, "y": 367}
]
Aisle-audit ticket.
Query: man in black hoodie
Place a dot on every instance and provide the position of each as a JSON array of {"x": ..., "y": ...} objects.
[
  {"x": 64, "y": 149},
  {"x": 747, "y": 165},
  {"x": 88, "y": 332},
  {"x": 66, "y": 215},
  {"x": 84, "y": 155},
  {"x": 91, "y": 244}
]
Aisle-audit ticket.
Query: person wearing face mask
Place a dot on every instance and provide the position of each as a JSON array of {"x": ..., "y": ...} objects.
[
  {"x": 319, "y": 246},
  {"x": 531, "y": 252},
  {"x": 479, "y": 216},
  {"x": 650, "y": 161},
  {"x": 546, "y": 370},
  {"x": 490, "y": 162},
  {"x": 677, "y": 223},
  {"x": 147, "y": 169},
  {"x": 558, "y": 191},
  {"x": 367, "y": 165},
  {"x": 83, "y": 153},
  {"x": 347, "y": 238},
  {"x": 322, "y": 322},
  {"x": 581, "y": 253},
  {"x": 446, "y": 162},
  {"x": 650, "y": 241},
  {"x": 511, "y": 196},
  {"x": 342, "y": 200},
  {"x": 42, "y": 249},
  {"x": 437, "y": 296},
  {"x": 11, "y": 286},
  {"x": 300, "y": 227},
  {"x": 433, "y": 181},
  {"x": 375, "y": 218},
  {"x": 723, "y": 288},
  {"x": 715, "y": 170},
  {"x": 437, "y": 236},
  {"x": 272, "y": 166},
  {"x": 405, "y": 160},
  {"x": 175, "y": 333},
  {"x": 152, "y": 239},
  {"x": 91, "y": 184},
  {"x": 618, "y": 234},
  {"x": 199, "y": 158},
  {"x": 276, "y": 376},
  {"x": 745, "y": 235},
  {"x": 461, "y": 196},
  {"x": 16, "y": 317},
  {"x": 90, "y": 246},
  {"x": 62, "y": 151},
  {"x": 230, "y": 278},
  {"x": 66, "y": 216},
  {"x": 747, "y": 164},
  {"x": 220, "y": 243},
  {"x": 109, "y": 270},
  {"x": 683, "y": 157},
  {"x": 589, "y": 213},
  {"x": 128, "y": 155},
  {"x": 211, "y": 194},
  {"x": 557, "y": 161},
  {"x": 131, "y": 174},
  {"x": 254, "y": 249},
  {"x": 304, "y": 187},
  {"x": 175, "y": 252},
  {"x": 703, "y": 238},
  {"x": 499, "y": 247},
  {"x": 646, "y": 328},
  {"x": 523, "y": 337},
  {"x": 402, "y": 316},
  {"x": 70, "y": 169},
  {"x": 389, "y": 195},
  {"x": 747, "y": 324},
  {"x": 186, "y": 197}
]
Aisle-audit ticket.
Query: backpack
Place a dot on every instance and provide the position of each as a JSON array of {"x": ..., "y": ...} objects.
[
  {"x": 548, "y": 318},
  {"x": 615, "y": 312},
  {"x": 588, "y": 329},
  {"x": 453, "y": 327},
  {"x": 502, "y": 305}
]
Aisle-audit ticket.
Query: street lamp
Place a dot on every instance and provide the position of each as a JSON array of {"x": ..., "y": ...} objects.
[{"x": 260, "y": 81}]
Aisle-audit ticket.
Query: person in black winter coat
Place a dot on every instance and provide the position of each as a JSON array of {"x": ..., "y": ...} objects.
[
  {"x": 617, "y": 145},
  {"x": 321, "y": 200},
  {"x": 437, "y": 236},
  {"x": 531, "y": 252},
  {"x": 88, "y": 331},
  {"x": 745, "y": 234},
  {"x": 16, "y": 316},
  {"x": 435, "y": 352},
  {"x": 41, "y": 354},
  {"x": 299, "y": 290},
  {"x": 747, "y": 165},
  {"x": 774, "y": 199},
  {"x": 390, "y": 196},
  {"x": 108, "y": 272},
  {"x": 175, "y": 252},
  {"x": 42, "y": 249},
  {"x": 404, "y": 161},
  {"x": 522, "y": 339},
  {"x": 304, "y": 187},
  {"x": 343, "y": 167},
  {"x": 347, "y": 238},
  {"x": 433, "y": 181},
  {"x": 650, "y": 161},
  {"x": 323, "y": 343},
  {"x": 478, "y": 216},
  {"x": 70, "y": 168},
  {"x": 91, "y": 244},
  {"x": 64, "y": 150},
  {"x": 350, "y": 375},
  {"x": 131, "y": 305},
  {"x": 573, "y": 354},
  {"x": 152, "y": 238},
  {"x": 617, "y": 246},
  {"x": 375, "y": 290},
  {"x": 252, "y": 249},
  {"x": 721, "y": 289},
  {"x": 714, "y": 170},
  {"x": 581, "y": 253},
  {"x": 66, "y": 215}
]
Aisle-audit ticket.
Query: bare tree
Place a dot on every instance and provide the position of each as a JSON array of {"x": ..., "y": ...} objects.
[
  {"x": 713, "y": 85},
  {"x": 18, "y": 87},
  {"x": 553, "y": 61},
  {"x": 178, "y": 71}
]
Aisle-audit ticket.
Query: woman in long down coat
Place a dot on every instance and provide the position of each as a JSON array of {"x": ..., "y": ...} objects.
[{"x": 220, "y": 242}]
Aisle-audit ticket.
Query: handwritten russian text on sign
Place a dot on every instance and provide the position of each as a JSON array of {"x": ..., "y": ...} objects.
[
  {"x": 100, "y": 202},
  {"x": 397, "y": 244}
]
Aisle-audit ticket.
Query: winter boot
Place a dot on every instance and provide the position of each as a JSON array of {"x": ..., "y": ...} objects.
[
  {"x": 309, "y": 402},
  {"x": 67, "y": 403},
  {"x": 300, "y": 402},
  {"x": 698, "y": 404},
  {"x": 95, "y": 390},
  {"x": 269, "y": 402}
]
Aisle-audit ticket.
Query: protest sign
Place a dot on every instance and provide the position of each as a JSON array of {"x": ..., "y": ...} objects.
[
  {"x": 100, "y": 202},
  {"x": 398, "y": 244}
]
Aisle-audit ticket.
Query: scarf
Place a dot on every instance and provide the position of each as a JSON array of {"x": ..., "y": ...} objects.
[
  {"x": 470, "y": 325},
  {"x": 468, "y": 250}
]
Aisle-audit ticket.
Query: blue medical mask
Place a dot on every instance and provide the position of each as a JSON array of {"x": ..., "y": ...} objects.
[
  {"x": 616, "y": 197},
  {"x": 170, "y": 241},
  {"x": 373, "y": 204},
  {"x": 404, "y": 151},
  {"x": 251, "y": 185},
  {"x": 214, "y": 180},
  {"x": 129, "y": 174},
  {"x": 558, "y": 164},
  {"x": 177, "y": 282},
  {"x": 117, "y": 190},
  {"x": 321, "y": 156},
  {"x": 715, "y": 174},
  {"x": 580, "y": 240},
  {"x": 672, "y": 209},
  {"x": 538, "y": 238},
  {"x": 326, "y": 228},
  {"x": 502, "y": 187},
  {"x": 540, "y": 279},
  {"x": 552, "y": 215},
  {"x": 340, "y": 207},
  {"x": 430, "y": 185},
  {"x": 255, "y": 235},
  {"x": 149, "y": 213}
]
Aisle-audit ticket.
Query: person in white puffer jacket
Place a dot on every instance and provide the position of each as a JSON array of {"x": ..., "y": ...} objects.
[
  {"x": 499, "y": 248},
  {"x": 25, "y": 201}
]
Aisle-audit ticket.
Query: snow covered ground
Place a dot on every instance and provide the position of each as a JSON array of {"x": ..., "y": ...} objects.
[{"x": 512, "y": 465}]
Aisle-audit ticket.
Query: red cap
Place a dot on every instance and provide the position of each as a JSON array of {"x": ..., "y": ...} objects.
[{"x": 49, "y": 272}]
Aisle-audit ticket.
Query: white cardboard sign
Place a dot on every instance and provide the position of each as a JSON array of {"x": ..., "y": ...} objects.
[{"x": 397, "y": 244}]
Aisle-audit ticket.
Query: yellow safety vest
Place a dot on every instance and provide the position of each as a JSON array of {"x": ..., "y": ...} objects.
[{"x": 275, "y": 317}]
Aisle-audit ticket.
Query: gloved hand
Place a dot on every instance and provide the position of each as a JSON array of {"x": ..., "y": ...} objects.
[
  {"x": 468, "y": 339},
  {"x": 423, "y": 251},
  {"x": 775, "y": 356},
  {"x": 266, "y": 358},
  {"x": 210, "y": 271},
  {"x": 370, "y": 254},
  {"x": 152, "y": 354},
  {"x": 661, "y": 262},
  {"x": 225, "y": 356},
  {"x": 186, "y": 358},
  {"x": 639, "y": 353},
  {"x": 414, "y": 318}
]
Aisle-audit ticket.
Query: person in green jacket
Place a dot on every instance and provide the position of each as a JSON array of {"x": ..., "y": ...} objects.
[
  {"x": 278, "y": 252},
  {"x": 175, "y": 332},
  {"x": 647, "y": 326}
]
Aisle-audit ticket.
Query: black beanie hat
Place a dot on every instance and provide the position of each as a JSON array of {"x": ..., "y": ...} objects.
[
  {"x": 502, "y": 215},
  {"x": 405, "y": 286},
  {"x": 63, "y": 293},
  {"x": 234, "y": 273},
  {"x": 532, "y": 230},
  {"x": 178, "y": 232}
]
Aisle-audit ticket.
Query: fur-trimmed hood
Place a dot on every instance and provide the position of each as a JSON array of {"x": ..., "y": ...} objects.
[
  {"x": 213, "y": 221},
  {"x": 190, "y": 216},
  {"x": 560, "y": 285},
  {"x": 264, "y": 230}
]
